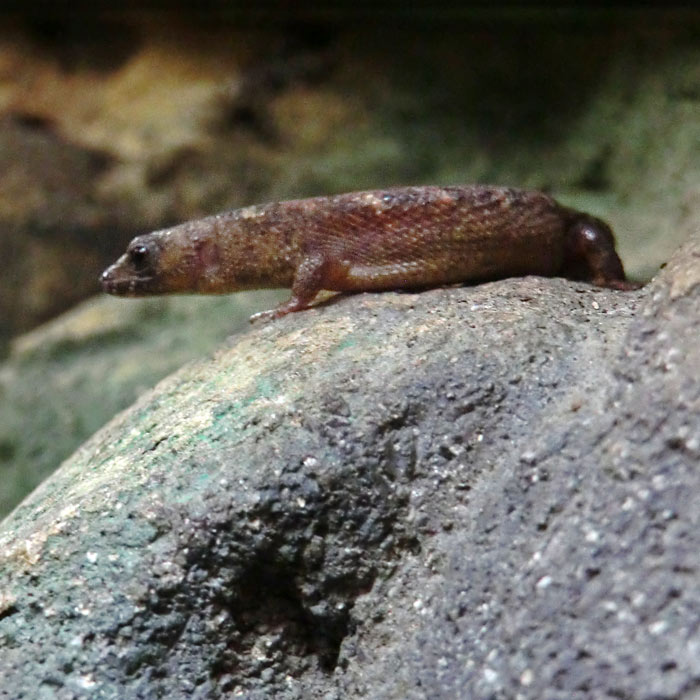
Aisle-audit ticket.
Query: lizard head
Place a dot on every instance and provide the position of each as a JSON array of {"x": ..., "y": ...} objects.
[
  {"x": 139, "y": 271},
  {"x": 182, "y": 259}
]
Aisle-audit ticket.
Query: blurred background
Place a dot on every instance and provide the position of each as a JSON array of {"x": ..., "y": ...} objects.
[{"x": 115, "y": 122}]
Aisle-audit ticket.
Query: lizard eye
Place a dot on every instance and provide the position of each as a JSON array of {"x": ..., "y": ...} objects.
[{"x": 139, "y": 257}]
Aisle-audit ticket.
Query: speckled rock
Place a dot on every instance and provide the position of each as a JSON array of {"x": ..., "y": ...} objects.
[{"x": 485, "y": 492}]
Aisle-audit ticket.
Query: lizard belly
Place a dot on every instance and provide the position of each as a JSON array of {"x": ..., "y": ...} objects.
[
  {"x": 416, "y": 273},
  {"x": 449, "y": 268}
]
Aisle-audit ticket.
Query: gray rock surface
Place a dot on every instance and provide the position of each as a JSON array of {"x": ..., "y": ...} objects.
[{"x": 486, "y": 492}]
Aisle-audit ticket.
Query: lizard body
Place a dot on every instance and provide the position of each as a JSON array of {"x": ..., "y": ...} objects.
[{"x": 402, "y": 238}]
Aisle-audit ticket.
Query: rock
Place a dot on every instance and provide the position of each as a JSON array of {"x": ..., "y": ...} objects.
[{"x": 469, "y": 492}]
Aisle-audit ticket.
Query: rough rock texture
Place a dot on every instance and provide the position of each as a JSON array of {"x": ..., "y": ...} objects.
[{"x": 480, "y": 493}]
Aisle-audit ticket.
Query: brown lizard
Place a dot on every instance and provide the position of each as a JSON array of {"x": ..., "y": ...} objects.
[{"x": 402, "y": 238}]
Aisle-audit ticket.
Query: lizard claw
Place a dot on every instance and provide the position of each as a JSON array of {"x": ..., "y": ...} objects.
[
  {"x": 263, "y": 316},
  {"x": 294, "y": 304}
]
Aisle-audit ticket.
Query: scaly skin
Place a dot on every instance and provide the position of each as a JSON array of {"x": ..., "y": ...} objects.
[{"x": 403, "y": 238}]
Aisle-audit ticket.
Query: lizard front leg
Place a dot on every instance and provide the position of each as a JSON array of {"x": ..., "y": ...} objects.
[{"x": 308, "y": 282}]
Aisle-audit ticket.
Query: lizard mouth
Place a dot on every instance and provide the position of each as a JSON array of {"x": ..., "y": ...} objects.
[{"x": 125, "y": 286}]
